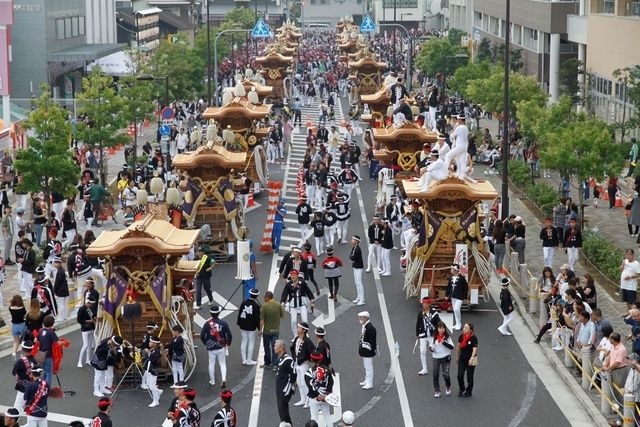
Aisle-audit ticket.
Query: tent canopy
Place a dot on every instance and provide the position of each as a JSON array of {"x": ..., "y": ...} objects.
[{"x": 116, "y": 64}]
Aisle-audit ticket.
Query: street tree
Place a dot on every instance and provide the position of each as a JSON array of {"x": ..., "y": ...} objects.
[
  {"x": 184, "y": 66},
  {"x": 489, "y": 91},
  {"x": 455, "y": 36},
  {"x": 628, "y": 80},
  {"x": 47, "y": 164},
  {"x": 139, "y": 97},
  {"x": 104, "y": 115},
  {"x": 484, "y": 51},
  {"x": 241, "y": 16},
  {"x": 568, "y": 78},
  {"x": 459, "y": 83},
  {"x": 438, "y": 56}
]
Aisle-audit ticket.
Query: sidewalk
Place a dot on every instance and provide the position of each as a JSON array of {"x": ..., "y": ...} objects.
[{"x": 11, "y": 286}]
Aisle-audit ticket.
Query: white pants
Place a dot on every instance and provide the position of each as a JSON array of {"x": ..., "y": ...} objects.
[
  {"x": 330, "y": 235},
  {"x": 49, "y": 270},
  {"x": 152, "y": 383},
  {"x": 310, "y": 191},
  {"x": 63, "y": 309},
  {"x": 385, "y": 261},
  {"x": 457, "y": 305},
  {"x": 98, "y": 380},
  {"x": 320, "y": 198},
  {"x": 88, "y": 343},
  {"x": 302, "y": 386},
  {"x": 19, "y": 403},
  {"x": 304, "y": 231},
  {"x": 432, "y": 117},
  {"x": 177, "y": 368},
  {"x": 294, "y": 317},
  {"x": 108, "y": 377},
  {"x": 36, "y": 421},
  {"x": 459, "y": 154},
  {"x": 222, "y": 360},
  {"x": 347, "y": 188},
  {"x": 71, "y": 235},
  {"x": 26, "y": 284},
  {"x": 319, "y": 245},
  {"x": 572, "y": 257},
  {"x": 315, "y": 406},
  {"x": 357, "y": 278},
  {"x": 342, "y": 230},
  {"x": 368, "y": 371},
  {"x": 424, "y": 345},
  {"x": 374, "y": 254},
  {"x": 547, "y": 254},
  {"x": 247, "y": 344},
  {"x": 506, "y": 321},
  {"x": 425, "y": 181}
]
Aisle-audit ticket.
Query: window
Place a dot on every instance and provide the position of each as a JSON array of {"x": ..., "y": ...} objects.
[
  {"x": 601, "y": 85},
  {"x": 516, "y": 34},
  {"x": 67, "y": 28},
  {"x": 533, "y": 34},
  {"x": 60, "y": 29},
  {"x": 399, "y": 4},
  {"x": 621, "y": 92},
  {"x": 81, "y": 27},
  {"x": 477, "y": 19},
  {"x": 494, "y": 24},
  {"x": 74, "y": 26}
]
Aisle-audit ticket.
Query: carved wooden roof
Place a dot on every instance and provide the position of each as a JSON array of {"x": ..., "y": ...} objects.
[
  {"x": 260, "y": 89},
  {"x": 409, "y": 131},
  {"x": 184, "y": 266},
  {"x": 155, "y": 235},
  {"x": 210, "y": 156},
  {"x": 366, "y": 62},
  {"x": 238, "y": 107},
  {"x": 274, "y": 57},
  {"x": 451, "y": 188}
]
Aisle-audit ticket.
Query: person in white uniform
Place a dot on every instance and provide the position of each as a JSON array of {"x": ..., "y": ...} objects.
[
  {"x": 460, "y": 138},
  {"x": 436, "y": 170}
]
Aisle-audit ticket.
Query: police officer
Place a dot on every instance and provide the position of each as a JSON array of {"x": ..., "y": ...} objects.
[
  {"x": 426, "y": 324},
  {"x": 249, "y": 324},
  {"x": 278, "y": 224},
  {"x": 216, "y": 336}
]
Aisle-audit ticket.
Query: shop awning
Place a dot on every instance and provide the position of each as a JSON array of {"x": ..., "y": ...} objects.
[
  {"x": 85, "y": 52},
  {"x": 116, "y": 64}
]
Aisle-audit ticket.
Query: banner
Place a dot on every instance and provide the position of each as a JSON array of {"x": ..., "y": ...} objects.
[
  {"x": 192, "y": 198},
  {"x": 115, "y": 293},
  {"x": 462, "y": 259},
  {"x": 227, "y": 197}
]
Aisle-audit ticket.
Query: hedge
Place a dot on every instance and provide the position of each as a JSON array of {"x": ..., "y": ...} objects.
[{"x": 541, "y": 194}]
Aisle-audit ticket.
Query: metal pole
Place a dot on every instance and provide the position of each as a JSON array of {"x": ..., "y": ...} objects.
[
  {"x": 209, "y": 55},
  {"x": 409, "y": 58},
  {"x": 215, "y": 56},
  {"x": 505, "y": 113},
  {"x": 395, "y": 64},
  {"x": 166, "y": 91}
]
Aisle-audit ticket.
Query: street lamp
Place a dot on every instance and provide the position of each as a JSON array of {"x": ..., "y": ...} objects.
[
  {"x": 145, "y": 77},
  {"x": 215, "y": 56},
  {"x": 505, "y": 114}
]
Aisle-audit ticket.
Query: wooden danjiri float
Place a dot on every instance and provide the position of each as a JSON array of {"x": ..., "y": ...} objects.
[
  {"x": 141, "y": 287},
  {"x": 450, "y": 233},
  {"x": 401, "y": 146},
  {"x": 208, "y": 182},
  {"x": 366, "y": 70},
  {"x": 274, "y": 67},
  {"x": 237, "y": 126}
]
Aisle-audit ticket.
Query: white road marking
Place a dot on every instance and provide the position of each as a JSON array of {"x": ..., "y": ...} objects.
[
  {"x": 328, "y": 318},
  {"x": 57, "y": 418},
  {"x": 528, "y": 400},
  {"x": 395, "y": 363}
]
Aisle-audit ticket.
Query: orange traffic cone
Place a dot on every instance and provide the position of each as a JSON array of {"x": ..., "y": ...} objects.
[{"x": 250, "y": 202}]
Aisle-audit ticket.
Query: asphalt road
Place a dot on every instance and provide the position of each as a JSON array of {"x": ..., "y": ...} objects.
[{"x": 507, "y": 391}]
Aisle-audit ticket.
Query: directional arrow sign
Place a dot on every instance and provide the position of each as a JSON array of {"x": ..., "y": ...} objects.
[
  {"x": 367, "y": 26},
  {"x": 260, "y": 30}
]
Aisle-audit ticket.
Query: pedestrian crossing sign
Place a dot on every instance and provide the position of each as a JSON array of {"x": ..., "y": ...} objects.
[
  {"x": 260, "y": 30},
  {"x": 367, "y": 26}
]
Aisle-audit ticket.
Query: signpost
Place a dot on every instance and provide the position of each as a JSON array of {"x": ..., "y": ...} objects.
[
  {"x": 167, "y": 113},
  {"x": 367, "y": 26},
  {"x": 261, "y": 30}
]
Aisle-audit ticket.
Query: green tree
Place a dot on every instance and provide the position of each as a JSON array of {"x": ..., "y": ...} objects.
[
  {"x": 184, "y": 66},
  {"x": 459, "y": 83},
  {"x": 568, "y": 78},
  {"x": 242, "y": 16},
  {"x": 628, "y": 80},
  {"x": 484, "y": 51},
  {"x": 489, "y": 91},
  {"x": 139, "y": 105},
  {"x": 455, "y": 36},
  {"x": 106, "y": 114},
  {"x": 438, "y": 56},
  {"x": 47, "y": 164}
]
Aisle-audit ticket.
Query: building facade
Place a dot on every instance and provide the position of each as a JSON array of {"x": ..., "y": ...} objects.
[
  {"x": 51, "y": 41},
  {"x": 607, "y": 33}
]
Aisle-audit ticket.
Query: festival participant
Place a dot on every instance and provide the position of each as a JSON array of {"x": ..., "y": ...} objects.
[
  {"x": 36, "y": 395},
  {"x": 102, "y": 418},
  {"x": 216, "y": 336},
  {"x": 226, "y": 416},
  {"x": 249, "y": 323},
  {"x": 22, "y": 372}
]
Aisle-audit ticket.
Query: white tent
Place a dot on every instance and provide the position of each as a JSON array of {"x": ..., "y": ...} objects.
[{"x": 116, "y": 64}]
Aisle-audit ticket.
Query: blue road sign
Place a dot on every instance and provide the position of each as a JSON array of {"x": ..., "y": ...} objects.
[
  {"x": 260, "y": 30},
  {"x": 167, "y": 113},
  {"x": 165, "y": 130},
  {"x": 367, "y": 26}
]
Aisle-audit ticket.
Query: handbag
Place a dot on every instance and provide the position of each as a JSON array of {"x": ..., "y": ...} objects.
[
  {"x": 40, "y": 356},
  {"x": 473, "y": 361}
]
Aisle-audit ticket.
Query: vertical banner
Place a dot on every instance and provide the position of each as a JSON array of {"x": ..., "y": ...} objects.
[
  {"x": 462, "y": 259},
  {"x": 275, "y": 188}
]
